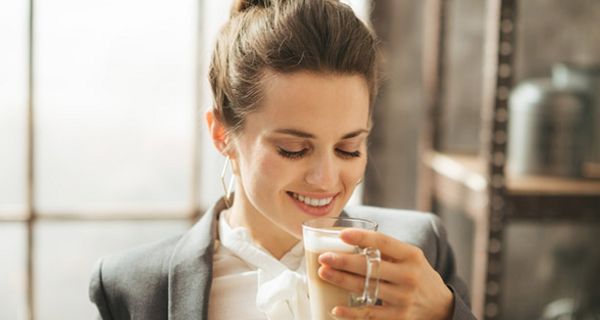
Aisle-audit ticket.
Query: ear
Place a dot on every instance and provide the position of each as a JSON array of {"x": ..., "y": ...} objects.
[{"x": 217, "y": 131}]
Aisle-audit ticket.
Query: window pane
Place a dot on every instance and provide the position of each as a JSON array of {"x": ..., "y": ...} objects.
[
  {"x": 552, "y": 271},
  {"x": 67, "y": 252},
  {"x": 12, "y": 271},
  {"x": 115, "y": 98},
  {"x": 213, "y": 15},
  {"x": 13, "y": 104}
]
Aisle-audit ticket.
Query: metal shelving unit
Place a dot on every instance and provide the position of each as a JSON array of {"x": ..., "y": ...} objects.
[{"x": 478, "y": 185}]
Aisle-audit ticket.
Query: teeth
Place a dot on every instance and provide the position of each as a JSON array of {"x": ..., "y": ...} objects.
[{"x": 311, "y": 201}]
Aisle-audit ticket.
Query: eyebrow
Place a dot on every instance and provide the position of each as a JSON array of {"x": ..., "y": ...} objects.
[{"x": 302, "y": 134}]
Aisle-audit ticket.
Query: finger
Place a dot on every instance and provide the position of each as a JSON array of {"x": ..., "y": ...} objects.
[
  {"x": 392, "y": 294},
  {"x": 388, "y": 246},
  {"x": 348, "y": 281},
  {"x": 356, "y": 264},
  {"x": 350, "y": 262},
  {"x": 366, "y": 312}
]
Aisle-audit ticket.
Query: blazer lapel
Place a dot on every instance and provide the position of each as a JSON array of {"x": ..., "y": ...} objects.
[{"x": 190, "y": 269}]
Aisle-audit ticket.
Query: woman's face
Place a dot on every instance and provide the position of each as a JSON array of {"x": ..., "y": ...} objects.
[{"x": 302, "y": 152}]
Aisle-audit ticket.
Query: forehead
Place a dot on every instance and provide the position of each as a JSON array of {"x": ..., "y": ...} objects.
[{"x": 320, "y": 103}]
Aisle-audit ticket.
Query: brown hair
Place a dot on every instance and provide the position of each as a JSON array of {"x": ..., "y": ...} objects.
[{"x": 285, "y": 36}]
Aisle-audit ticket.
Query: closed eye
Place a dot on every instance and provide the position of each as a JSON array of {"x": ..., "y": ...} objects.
[
  {"x": 348, "y": 154},
  {"x": 291, "y": 154},
  {"x": 301, "y": 153}
]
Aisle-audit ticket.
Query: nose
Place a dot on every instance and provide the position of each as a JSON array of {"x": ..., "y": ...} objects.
[{"x": 322, "y": 173}]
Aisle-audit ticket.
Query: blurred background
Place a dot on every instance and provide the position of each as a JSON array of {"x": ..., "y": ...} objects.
[{"x": 489, "y": 116}]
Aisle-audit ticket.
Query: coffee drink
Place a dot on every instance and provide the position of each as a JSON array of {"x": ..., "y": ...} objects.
[
  {"x": 323, "y": 235},
  {"x": 323, "y": 295}
]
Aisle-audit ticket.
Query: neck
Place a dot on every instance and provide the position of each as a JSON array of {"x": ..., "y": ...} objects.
[{"x": 263, "y": 231}]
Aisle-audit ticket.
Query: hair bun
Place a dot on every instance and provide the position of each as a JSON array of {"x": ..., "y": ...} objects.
[{"x": 243, "y": 5}]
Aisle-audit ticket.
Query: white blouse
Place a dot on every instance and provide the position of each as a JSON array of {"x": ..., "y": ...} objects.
[{"x": 249, "y": 283}]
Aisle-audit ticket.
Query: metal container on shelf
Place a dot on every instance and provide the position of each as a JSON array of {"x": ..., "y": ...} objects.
[
  {"x": 586, "y": 78},
  {"x": 549, "y": 129}
]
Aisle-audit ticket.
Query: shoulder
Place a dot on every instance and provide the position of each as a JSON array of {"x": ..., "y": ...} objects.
[
  {"x": 412, "y": 216},
  {"x": 404, "y": 224},
  {"x": 148, "y": 260},
  {"x": 421, "y": 229},
  {"x": 127, "y": 280}
]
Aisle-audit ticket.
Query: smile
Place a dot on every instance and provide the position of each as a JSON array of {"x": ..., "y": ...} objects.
[
  {"x": 313, "y": 202},
  {"x": 316, "y": 206}
]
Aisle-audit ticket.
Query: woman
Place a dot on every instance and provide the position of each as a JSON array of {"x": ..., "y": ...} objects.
[{"x": 293, "y": 82}]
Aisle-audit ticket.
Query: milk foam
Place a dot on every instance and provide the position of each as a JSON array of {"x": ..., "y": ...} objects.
[{"x": 320, "y": 243}]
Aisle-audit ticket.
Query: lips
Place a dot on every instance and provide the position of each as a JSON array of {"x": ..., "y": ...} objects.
[{"x": 313, "y": 205}]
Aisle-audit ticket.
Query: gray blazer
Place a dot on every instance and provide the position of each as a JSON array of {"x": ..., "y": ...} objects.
[{"x": 171, "y": 279}]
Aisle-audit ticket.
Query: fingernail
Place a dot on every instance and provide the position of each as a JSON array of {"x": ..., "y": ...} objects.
[
  {"x": 337, "y": 311},
  {"x": 350, "y": 236},
  {"x": 326, "y": 258},
  {"x": 326, "y": 272}
]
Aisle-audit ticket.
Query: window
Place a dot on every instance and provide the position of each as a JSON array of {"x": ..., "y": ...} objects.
[
  {"x": 113, "y": 93},
  {"x": 113, "y": 136}
]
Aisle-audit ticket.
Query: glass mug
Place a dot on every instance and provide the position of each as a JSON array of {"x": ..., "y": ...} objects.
[{"x": 323, "y": 235}]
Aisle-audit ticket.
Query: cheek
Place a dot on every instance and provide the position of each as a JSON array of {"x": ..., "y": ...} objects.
[
  {"x": 268, "y": 168},
  {"x": 352, "y": 173},
  {"x": 265, "y": 173}
]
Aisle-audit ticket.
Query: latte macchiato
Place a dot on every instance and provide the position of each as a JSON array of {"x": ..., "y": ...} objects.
[
  {"x": 323, "y": 235},
  {"x": 323, "y": 295}
]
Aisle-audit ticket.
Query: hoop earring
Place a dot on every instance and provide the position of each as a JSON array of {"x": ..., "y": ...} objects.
[{"x": 227, "y": 188}]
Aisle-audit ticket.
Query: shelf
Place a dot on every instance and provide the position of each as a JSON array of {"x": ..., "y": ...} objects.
[
  {"x": 460, "y": 182},
  {"x": 464, "y": 182}
]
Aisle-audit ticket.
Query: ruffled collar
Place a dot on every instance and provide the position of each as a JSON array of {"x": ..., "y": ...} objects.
[{"x": 282, "y": 292}]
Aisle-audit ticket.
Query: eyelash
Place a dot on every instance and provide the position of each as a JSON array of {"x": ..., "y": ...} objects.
[
  {"x": 299, "y": 154},
  {"x": 346, "y": 154},
  {"x": 291, "y": 154}
]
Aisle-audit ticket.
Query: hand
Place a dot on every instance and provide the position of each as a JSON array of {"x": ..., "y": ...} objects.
[{"x": 409, "y": 287}]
